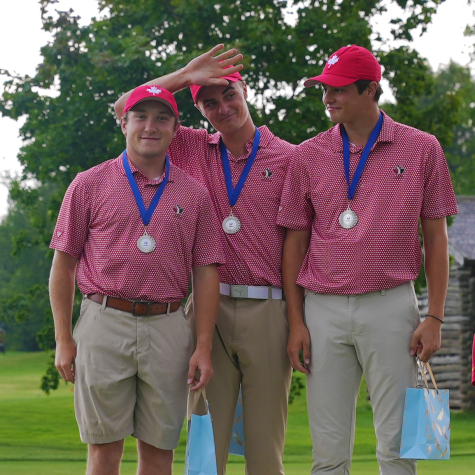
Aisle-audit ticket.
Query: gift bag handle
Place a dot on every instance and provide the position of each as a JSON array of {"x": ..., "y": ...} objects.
[
  {"x": 193, "y": 401},
  {"x": 423, "y": 373}
]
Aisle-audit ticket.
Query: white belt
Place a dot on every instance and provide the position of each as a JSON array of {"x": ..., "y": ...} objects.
[{"x": 251, "y": 291}]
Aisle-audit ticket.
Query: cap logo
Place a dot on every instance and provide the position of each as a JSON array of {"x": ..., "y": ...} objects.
[
  {"x": 154, "y": 90},
  {"x": 334, "y": 59}
]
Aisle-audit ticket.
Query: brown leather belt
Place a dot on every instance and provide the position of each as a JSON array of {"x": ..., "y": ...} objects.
[{"x": 137, "y": 308}]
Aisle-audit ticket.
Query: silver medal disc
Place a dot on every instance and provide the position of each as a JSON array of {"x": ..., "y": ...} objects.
[
  {"x": 231, "y": 225},
  {"x": 348, "y": 219},
  {"x": 146, "y": 243}
]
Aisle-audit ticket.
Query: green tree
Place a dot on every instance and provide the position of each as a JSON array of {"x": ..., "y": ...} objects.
[
  {"x": 455, "y": 83},
  {"x": 90, "y": 66},
  {"x": 24, "y": 268}
]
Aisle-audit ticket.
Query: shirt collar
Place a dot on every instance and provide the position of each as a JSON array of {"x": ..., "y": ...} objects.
[
  {"x": 135, "y": 171},
  {"x": 386, "y": 134}
]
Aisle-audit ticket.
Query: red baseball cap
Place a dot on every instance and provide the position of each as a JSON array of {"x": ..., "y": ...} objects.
[
  {"x": 151, "y": 93},
  {"x": 346, "y": 66},
  {"x": 195, "y": 90}
]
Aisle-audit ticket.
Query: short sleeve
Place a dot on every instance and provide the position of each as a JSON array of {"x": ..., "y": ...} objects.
[
  {"x": 439, "y": 197},
  {"x": 187, "y": 147},
  {"x": 296, "y": 209},
  {"x": 72, "y": 227},
  {"x": 207, "y": 247}
]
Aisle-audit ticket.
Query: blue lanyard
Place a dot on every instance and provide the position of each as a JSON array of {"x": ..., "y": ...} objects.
[
  {"x": 144, "y": 213},
  {"x": 233, "y": 194},
  {"x": 364, "y": 156}
]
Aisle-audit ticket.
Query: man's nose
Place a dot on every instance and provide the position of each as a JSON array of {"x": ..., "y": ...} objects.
[
  {"x": 223, "y": 108},
  {"x": 327, "y": 97},
  {"x": 150, "y": 125}
]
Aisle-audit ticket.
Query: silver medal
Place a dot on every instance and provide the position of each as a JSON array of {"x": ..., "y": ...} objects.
[
  {"x": 146, "y": 243},
  {"x": 348, "y": 219},
  {"x": 231, "y": 225}
]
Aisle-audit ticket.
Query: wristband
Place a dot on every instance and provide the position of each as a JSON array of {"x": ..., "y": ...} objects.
[{"x": 437, "y": 318}]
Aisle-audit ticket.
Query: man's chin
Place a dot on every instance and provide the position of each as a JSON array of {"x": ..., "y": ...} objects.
[{"x": 227, "y": 127}]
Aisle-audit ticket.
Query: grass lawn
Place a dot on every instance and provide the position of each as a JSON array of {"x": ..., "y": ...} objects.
[{"x": 38, "y": 433}]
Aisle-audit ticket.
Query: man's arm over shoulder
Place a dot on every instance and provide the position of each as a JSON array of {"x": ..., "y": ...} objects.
[
  {"x": 188, "y": 147},
  {"x": 204, "y": 70},
  {"x": 61, "y": 290}
]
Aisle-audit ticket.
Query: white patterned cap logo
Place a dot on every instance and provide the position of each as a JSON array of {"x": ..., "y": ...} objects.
[
  {"x": 334, "y": 59},
  {"x": 154, "y": 90}
]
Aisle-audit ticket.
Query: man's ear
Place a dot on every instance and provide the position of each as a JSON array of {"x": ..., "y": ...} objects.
[
  {"x": 123, "y": 126},
  {"x": 371, "y": 89},
  {"x": 244, "y": 88}
]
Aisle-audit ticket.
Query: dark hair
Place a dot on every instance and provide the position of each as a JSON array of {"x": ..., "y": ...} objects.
[{"x": 363, "y": 84}]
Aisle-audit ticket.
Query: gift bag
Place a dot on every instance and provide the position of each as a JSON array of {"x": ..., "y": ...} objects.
[
  {"x": 200, "y": 449},
  {"x": 236, "y": 447},
  {"x": 426, "y": 422}
]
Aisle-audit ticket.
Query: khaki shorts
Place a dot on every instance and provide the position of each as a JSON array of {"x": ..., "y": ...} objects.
[{"x": 131, "y": 375}]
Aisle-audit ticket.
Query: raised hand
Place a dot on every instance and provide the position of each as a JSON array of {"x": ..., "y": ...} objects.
[{"x": 207, "y": 69}]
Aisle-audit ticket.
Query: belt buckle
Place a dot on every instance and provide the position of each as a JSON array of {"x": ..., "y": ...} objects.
[
  {"x": 239, "y": 291},
  {"x": 140, "y": 302}
]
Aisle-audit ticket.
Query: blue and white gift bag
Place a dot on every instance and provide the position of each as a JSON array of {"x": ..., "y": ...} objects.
[
  {"x": 426, "y": 422},
  {"x": 200, "y": 449}
]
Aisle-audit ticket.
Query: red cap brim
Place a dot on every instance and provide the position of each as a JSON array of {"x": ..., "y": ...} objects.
[
  {"x": 330, "y": 79},
  {"x": 195, "y": 90}
]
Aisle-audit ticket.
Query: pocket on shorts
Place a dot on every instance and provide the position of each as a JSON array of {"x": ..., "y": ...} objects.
[
  {"x": 414, "y": 304},
  {"x": 84, "y": 306}
]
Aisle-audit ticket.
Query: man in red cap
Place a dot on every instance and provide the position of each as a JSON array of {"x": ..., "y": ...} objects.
[
  {"x": 351, "y": 204},
  {"x": 131, "y": 230},
  {"x": 243, "y": 168}
]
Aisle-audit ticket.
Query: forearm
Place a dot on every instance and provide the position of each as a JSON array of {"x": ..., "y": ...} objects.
[
  {"x": 436, "y": 265},
  {"x": 437, "y": 276},
  {"x": 61, "y": 290},
  {"x": 295, "y": 248},
  {"x": 205, "y": 70},
  {"x": 205, "y": 304}
]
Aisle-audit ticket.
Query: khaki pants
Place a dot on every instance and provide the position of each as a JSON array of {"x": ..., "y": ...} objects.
[
  {"x": 352, "y": 335},
  {"x": 249, "y": 349}
]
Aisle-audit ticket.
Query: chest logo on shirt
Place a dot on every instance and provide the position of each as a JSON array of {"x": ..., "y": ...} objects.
[
  {"x": 178, "y": 210},
  {"x": 399, "y": 171},
  {"x": 266, "y": 174},
  {"x": 58, "y": 233}
]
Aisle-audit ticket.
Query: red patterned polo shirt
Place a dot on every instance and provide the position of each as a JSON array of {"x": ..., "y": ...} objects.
[{"x": 405, "y": 178}]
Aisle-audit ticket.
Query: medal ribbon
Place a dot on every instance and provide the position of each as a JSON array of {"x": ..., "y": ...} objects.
[
  {"x": 144, "y": 213},
  {"x": 233, "y": 193},
  {"x": 364, "y": 156}
]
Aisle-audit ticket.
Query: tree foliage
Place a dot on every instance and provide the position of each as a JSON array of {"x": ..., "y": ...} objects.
[
  {"x": 69, "y": 102},
  {"x": 456, "y": 84}
]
